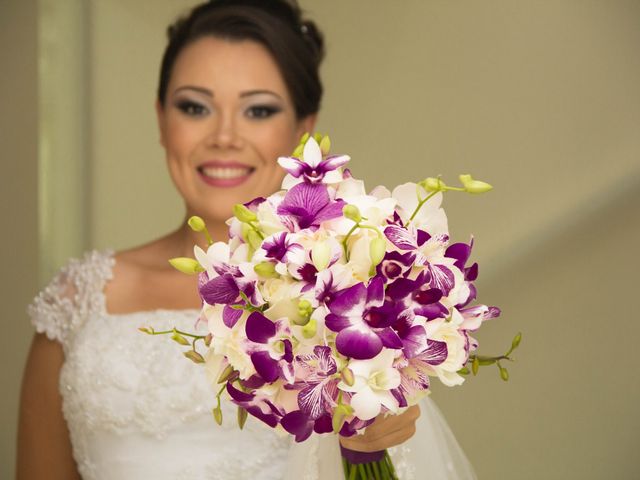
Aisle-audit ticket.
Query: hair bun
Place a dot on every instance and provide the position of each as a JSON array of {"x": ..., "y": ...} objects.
[{"x": 314, "y": 38}]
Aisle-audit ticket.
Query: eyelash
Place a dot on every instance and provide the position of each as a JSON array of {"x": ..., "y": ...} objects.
[
  {"x": 192, "y": 109},
  {"x": 257, "y": 112},
  {"x": 260, "y": 112}
]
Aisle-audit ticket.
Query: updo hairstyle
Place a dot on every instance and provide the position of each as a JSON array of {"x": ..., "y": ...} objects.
[{"x": 296, "y": 45}]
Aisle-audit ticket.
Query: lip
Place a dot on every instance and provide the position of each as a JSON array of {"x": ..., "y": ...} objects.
[{"x": 223, "y": 182}]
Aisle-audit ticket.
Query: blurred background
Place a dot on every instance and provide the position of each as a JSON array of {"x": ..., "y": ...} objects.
[{"x": 539, "y": 98}]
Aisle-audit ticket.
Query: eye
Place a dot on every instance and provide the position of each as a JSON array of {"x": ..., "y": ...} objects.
[
  {"x": 192, "y": 109},
  {"x": 262, "y": 111}
]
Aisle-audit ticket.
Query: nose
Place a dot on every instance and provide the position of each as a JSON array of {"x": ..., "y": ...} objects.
[{"x": 224, "y": 132}]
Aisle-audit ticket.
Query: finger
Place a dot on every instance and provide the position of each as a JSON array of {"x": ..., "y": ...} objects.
[
  {"x": 391, "y": 423},
  {"x": 360, "y": 444}
]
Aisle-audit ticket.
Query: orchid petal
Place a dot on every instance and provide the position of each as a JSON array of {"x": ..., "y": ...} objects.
[
  {"x": 259, "y": 328},
  {"x": 358, "y": 342}
]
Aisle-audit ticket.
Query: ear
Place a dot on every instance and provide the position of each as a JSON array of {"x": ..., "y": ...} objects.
[
  {"x": 160, "y": 116},
  {"x": 307, "y": 124}
]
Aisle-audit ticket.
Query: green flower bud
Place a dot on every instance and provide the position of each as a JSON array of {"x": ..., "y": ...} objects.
[
  {"x": 474, "y": 186},
  {"x": 176, "y": 337},
  {"x": 194, "y": 356},
  {"x": 305, "y": 309},
  {"x": 317, "y": 137},
  {"x": 266, "y": 270},
  {"x": 147, "y": 330},
  {"x": 226, "y": 374},
  {"x": 347, "y": 376},
  {"x": 486, "y": 361},
  {"x": 310, "y": 329},
  {"x": 243, "y": 214},
  {"x": 253, "y": 239},
  {"x": 475, "y": 365},
  {"x": 242, "y": 417},
  {"x": 186, "y": 265},
  {"x": 297, "y": 153},
  {"x": 432, "y": 184},
  {"x": 196, "y": 223},
  {"x": 321, "y": 255},
  {"x": 516, "y": 341},
  {"x": 377, "y": 250},
  {"x": 217, "y": 415},
  {"x": 207, "y": 339},
  {"x": 464, "y": 371},
  {"x": 504, "y": 374},
  {"x": 304, "y": 138},
  {"x": 352, "y": 213},
  {"x": 325, "y": 145}
]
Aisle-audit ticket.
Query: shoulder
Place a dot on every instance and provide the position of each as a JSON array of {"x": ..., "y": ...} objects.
[{"x": 73, "y": 293}]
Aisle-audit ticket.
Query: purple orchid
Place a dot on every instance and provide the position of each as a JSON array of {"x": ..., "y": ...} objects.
[
  {"x": 395, "y": 264},
  {"x": 414, "y": 372},
  {"x": 313, "y": 169},
  {"x": 318, "y": 387},
  {"x": 301, "y": 425},
  {"x": 230, "y": 289},
  {"x": 279, "y": 246},
  {"x": 310, "y": 205},
  {"x": 256, "y": 404},
  {"x": 272, "y": 352},
  {"x": 419, "y": 296},
  {"x": 363, "y": 320}
]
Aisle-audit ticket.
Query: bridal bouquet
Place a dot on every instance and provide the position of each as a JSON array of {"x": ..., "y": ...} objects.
[{"x": 329, "y": 306}]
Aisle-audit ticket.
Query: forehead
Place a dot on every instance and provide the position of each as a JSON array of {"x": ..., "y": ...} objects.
[{"x": 227, "y": 66}]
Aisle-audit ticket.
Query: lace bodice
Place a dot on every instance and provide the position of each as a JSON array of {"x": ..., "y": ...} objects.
[{"x": 137, "y": 409}]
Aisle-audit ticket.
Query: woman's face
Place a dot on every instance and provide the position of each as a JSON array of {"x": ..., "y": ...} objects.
[{"x": 226, "y": 119}]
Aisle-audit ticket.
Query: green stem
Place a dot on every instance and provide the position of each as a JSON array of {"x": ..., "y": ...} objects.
[
  {"x": 344, "y": 241},
  {"x": 420, "y": 204},
  {"x": 197, "y": 337}
]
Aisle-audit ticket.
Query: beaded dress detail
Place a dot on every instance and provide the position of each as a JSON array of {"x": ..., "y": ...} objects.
[{"x": 137, "y": 409}]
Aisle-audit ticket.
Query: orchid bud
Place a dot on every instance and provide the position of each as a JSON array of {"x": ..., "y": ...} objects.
[
  {"x": 186, "y": 265},
  {"x": 147, "y": 330},
  {"x": 207, "y": 339},
  {"x": 464, "y": 371},
  {"x": 325, "y": 145},
  {"x": 305, "y": 309},
  {"x": 347, "y": 377},
  {"x": 321, "y": 255},
  {"x": 196, "y": 223},
  {"x": 253, "y": 239},
  {"x": 297, "y": 153},
  {"x": 176, "y": 337},
  {"x": 226, "y": 374},
  {"x": 475, "y": 365},
  {"x": 310, "y": 329},
  {"x": 352, "y": 213},
  {"x": 317, "y": 137},
  {"x": 486, "y": 361},
  {"x": 432, "y": 184},
  {"x": 377, "y": 250},
  {"x": 217, "y": 415},
  {"x": 194, "y": 356},
  {"x": 474, "y": 186},
  {"x": 243, "y": 214},
  {"x": 516, "y": 341},
  {"x": 242, "y": 417},
  {"x": 504, "y": 375},
  {"x": 304, "y": 138},
  {"x": 265, "y": 269}
]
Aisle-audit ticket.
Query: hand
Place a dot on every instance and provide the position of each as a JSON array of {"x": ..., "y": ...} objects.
[{"x": 384, "y": 432}]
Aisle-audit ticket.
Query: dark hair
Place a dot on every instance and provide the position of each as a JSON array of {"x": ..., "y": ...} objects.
[{"x": 296, "y": 45}]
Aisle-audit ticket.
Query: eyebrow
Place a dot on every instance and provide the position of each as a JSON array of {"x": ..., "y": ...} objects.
[
  {"x": 205, "y": 91},
  {"x": 209, "y": 93}
]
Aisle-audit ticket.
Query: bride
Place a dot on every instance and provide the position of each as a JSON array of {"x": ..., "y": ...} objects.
[{"x": 239, "y": 85}]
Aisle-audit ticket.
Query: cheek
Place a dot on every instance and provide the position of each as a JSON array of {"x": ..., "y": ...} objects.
[{"x": 181, "y": 140}]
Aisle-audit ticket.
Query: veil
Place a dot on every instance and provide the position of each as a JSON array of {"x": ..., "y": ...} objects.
[{"x": 433, "y": 452}]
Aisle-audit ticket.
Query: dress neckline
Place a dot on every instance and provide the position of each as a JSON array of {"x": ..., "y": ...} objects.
[{"x": 110, "y": 258}]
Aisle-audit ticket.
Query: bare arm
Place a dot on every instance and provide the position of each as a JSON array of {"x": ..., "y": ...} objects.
[{"x": 44, "y": 448}]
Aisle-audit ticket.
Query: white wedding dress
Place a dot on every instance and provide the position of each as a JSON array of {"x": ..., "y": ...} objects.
[{"x": 137, "y": 409}]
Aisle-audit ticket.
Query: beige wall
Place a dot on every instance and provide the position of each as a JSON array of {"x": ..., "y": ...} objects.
[
  {"x": 539, "y": 98},
  {"x": 18, "y": 204}
]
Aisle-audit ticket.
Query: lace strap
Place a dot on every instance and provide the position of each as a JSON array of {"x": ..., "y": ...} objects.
[{"x": 75, "y": 293}]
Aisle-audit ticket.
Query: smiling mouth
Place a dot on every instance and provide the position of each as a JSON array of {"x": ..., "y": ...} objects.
[{"x": 224, "y": 176}]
